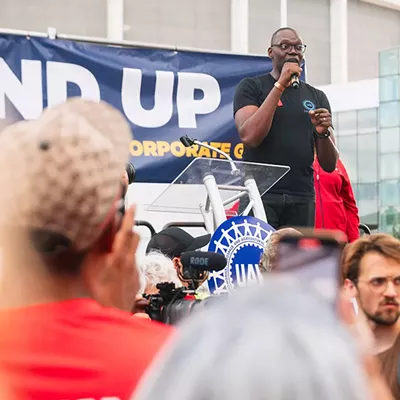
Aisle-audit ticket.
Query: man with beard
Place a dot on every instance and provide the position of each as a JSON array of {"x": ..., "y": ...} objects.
[
  {"x": 372, "y": 277},
  {"x": 280, "y": 122}
]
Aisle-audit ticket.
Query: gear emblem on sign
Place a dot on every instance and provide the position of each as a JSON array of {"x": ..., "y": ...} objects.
[{"x": 241, "y": 240}]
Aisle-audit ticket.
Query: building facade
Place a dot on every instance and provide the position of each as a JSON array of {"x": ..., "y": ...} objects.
[
  {"x": 369, "y": 144},
  {"x": 343, "y": 36}
]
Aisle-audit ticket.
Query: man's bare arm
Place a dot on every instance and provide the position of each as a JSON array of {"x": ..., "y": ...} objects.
[{"x": 253, "y": 123}]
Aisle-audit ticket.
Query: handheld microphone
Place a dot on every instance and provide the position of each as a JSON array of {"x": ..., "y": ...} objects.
[
  {"x": 294, "y": 81},
  {"x": 203, "y": 260}
]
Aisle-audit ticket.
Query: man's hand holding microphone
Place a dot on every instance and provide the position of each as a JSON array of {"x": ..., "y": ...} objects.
[{"x": 290, "y": 74}]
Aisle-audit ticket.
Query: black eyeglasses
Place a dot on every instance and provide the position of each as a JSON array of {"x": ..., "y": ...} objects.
[{"x": 286, "y": 47}]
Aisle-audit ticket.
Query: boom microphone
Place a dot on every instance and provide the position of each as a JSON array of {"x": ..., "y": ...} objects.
[
  {"x": 203, "y": 260},
  {"x": 187, "y": 142}
]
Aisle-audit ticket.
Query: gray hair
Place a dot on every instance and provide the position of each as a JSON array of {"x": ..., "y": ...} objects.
[
  {"x": 272, "y": 342},
  {"x": 157, "y": 268}
]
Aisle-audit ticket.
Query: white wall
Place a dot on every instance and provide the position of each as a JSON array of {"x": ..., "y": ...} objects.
[
  {"x": 78, "y": 17},
  {"x": 371, "y": 29},
  {"x": 353, "y": 95},
  {"x": 394, "y": 4},
  {"x": 194, "y": 23}
]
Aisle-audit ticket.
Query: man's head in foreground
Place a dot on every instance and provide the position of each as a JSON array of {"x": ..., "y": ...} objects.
[
  {"x": 372, "y": 275},
  {"x": 61, "y": 202}
]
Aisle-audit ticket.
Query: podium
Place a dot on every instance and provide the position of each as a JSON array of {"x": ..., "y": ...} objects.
[{"x": 207, "y": 185}]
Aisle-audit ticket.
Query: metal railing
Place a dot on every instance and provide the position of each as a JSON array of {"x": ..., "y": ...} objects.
[
  {"x": 146, "y": 224},
  {"x": 183, "y": 224},
  {"x": 364, "y": 228},
  {"x": 53, "y": 34}
]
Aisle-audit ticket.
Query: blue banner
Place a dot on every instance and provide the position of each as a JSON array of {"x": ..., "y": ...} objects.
[{"x": 164, "y": 94}]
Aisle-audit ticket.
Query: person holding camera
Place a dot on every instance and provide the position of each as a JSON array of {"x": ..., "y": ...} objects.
[
  {"x": 68, "y": 259},
  {"x": 174, "y": 241}
]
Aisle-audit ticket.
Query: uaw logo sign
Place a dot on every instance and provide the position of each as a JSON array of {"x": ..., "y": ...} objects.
[{"x": 242, "y": 241}]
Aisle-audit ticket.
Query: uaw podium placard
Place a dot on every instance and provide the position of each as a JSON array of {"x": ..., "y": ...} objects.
[{"x": 242, "y": 241}]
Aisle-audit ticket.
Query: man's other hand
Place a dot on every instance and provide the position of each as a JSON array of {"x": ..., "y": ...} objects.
[{"x": 321, "y": 119}]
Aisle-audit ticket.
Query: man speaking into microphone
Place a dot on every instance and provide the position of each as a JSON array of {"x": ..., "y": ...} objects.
[{"x": 281, "y": 120}]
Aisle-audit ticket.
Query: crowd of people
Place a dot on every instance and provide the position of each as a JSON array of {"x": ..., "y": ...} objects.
[
  {"x": 74, "y": 304},
  {"x": 368, "y": 309}
]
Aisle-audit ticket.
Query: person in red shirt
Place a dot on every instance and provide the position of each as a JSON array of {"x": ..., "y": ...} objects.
[
  {"x": 335, "y": 205},
  {"x": 68, "y": 259}
]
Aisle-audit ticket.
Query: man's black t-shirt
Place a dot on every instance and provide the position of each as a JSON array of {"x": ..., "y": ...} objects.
[{"x": 290, "y": 140}]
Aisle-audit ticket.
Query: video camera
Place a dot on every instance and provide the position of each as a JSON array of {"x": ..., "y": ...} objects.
[{"x": 170, "y": 305}]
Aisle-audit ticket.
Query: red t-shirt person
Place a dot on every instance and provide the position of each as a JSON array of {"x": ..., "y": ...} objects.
[{"x": 76, "y": 349}]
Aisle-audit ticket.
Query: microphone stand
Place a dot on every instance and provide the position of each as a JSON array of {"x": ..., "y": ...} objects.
[{"x": 187, "y": 142}]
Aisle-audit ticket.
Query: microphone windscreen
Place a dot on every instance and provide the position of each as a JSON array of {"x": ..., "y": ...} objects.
[
  {"x": 294, "y": 81},
  {"x": 203, "y": 260},
  {"x": 186, "y": 141},
  {"x": 131, "y": 171}
]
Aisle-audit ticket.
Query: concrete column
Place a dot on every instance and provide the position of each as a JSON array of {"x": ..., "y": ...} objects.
[
  {"x": 239, "y": 26},
  {"x": 284, "y": 13},
  {"x": 115, "y": 19},
  {"x": 339, "y": 41}
]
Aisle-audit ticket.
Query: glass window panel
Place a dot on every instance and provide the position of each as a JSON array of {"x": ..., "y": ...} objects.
[
  {"x": 389, "y": 193},
  {"x": 389, "y": 140},
  {"x": 389, "y": 221},
  {"x": 389, "y": 62},
  {"x": 354, "y": 185},
  {"x": 367, "y": 120},
  {"x": 389, "y": 88},
  {"x": 389, "y": 114},
  {"x": 367, "y": 202},
  {"x": 348, "y": 154},
  {"x": 347, "y": 123},
  {"x": 368, "y": 211},
  {"x": 389, "y": 166},
  {"x": 367, "y": 158}
]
